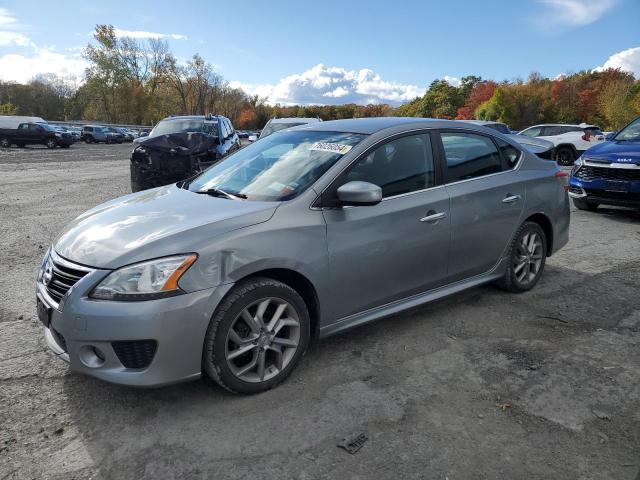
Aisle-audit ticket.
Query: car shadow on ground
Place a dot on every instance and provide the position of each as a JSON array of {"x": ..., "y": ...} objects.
[{"x": 618, "y": 214}]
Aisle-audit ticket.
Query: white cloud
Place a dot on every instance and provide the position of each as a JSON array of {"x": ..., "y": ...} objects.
[
  {"x": 453, "y": 81},
  {"x": 627, "y": 60},
  {"x": 8, "y": 38},
  {"x": 21, "y": 68},
  {"x": 333, "y": 85},
  {"x": 142, "y": 34},
  {"x": 573, "y": 12},
  {"x": 6, "y": 19}
]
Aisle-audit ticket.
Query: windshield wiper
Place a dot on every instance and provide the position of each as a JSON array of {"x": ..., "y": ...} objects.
[{"x": 217, "y": 192}]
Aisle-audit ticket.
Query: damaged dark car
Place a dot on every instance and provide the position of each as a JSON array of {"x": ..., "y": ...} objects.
[{"x": 179, "y": 147}]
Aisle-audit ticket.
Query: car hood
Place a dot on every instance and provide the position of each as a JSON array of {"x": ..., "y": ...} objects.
[
  {"x": 615, "y": 152},
  {"x": 154, "y": 223}
]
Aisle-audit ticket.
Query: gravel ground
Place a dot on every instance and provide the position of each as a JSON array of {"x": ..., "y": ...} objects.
[{"x": 481, "y": 385}]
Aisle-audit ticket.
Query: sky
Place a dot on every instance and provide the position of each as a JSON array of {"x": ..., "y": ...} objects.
[{"x": 332, "y": 51}]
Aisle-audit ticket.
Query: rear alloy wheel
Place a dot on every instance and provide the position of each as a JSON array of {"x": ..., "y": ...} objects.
[
  {"x": 527, "y": 256},
  {"x": 51, "y": 143},
  {"x": 256, "y": 337},
  {"x": 4, "y": 142},
  {"x": 565, "y": 156},
  {"x": 584, "y": 205}
]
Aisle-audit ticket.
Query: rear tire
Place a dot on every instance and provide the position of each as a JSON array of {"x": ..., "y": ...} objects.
[
  {"x": 248, "y": 352},
  {"x": 565, "y": 156},
  {"x": 584, "y": 205},
  {"x": 527, "y": 257}
]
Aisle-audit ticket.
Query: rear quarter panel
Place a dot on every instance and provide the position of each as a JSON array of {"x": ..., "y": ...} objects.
[{"x": 546, "y": 195}]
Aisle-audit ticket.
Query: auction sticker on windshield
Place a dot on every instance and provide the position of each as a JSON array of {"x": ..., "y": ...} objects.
[{"x": 331, "y": 147}]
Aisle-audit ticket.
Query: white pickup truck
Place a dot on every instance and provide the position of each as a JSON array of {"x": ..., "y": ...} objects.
[{"x": 570, "y": 140}]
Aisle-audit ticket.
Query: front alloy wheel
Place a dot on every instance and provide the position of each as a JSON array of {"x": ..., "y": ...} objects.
[
  {"x": 51, "y": 143},
  {"x": 262, "y": 340},
  {"x": 256, "y": 337}
]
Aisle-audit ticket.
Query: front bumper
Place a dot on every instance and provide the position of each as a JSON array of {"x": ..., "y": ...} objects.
[
  {"x": 596, "y": 192},
  {"x": 84, "y": 332}
]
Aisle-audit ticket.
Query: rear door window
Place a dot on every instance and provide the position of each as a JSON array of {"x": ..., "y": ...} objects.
[
  {"x": 510, "y": 154},
  {"x": 469, "y": 155},
  {"x": 532, "y": 132},
  {"x": 554, "y": 130}
]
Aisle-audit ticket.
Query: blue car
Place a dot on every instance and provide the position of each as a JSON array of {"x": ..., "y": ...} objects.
[{"x": 609, "y": 173}]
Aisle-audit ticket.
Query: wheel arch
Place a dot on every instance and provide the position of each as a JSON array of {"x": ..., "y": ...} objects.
[
  {"x": 547, "y": 227},
  {"x": 570, "y": 146}
]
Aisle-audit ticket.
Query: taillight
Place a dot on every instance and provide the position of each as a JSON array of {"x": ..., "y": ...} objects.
[
  {"x": 564, "y": 178},
  {"x": 586, "y": 137}
]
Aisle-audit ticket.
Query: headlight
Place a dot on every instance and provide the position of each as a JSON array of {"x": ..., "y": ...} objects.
[
  {"x": 145, "y": 281},
  {"x": 58, "y": 134},
  {"x": 577, "y": 164}
]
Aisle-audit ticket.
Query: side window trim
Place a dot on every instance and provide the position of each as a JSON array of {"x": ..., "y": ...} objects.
[{"x": 443, "y": 160}]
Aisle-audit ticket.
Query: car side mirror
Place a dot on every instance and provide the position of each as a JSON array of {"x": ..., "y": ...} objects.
[
  {"x": 358, "y": 193},
  {"x": 609, "y": 136},
  {"x": 253, "y": 138}
]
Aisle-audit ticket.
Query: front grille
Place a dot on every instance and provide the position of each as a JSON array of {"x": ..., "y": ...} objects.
[
  {"x": 135, "y": 353},
  {"x": 64, "y": 275},
  {"x": 589, "y": 173}
]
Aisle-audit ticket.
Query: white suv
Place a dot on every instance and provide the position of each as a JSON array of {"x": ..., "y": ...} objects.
[{"x": 570, "y": 140}]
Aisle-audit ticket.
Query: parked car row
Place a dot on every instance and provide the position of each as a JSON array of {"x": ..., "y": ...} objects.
[
  {"x": 23, "y": 131},
  {"x": 102, "y": 134}
]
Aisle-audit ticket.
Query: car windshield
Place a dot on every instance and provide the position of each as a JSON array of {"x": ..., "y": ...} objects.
[
  {"x": 276, "y": 127},
  {"x": 276, "y": 168},
  {"x": 630, "y": 133},
  {"x": 167, "y": 127}
]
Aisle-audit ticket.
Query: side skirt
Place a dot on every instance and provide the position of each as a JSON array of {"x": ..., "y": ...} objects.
[{"x": 392, "y": 308}]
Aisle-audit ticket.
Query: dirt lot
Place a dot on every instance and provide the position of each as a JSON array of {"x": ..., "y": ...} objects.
[{"x": 482, "y": 385}]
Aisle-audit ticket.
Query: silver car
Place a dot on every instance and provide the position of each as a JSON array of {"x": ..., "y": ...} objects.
[{"x": 304, "y": 234}]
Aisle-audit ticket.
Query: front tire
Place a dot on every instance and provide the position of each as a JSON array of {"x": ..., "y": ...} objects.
[
  {"x": 565, "y": 156},
  {"x": 584, "y": 205},
  {"x": 5, "y": 143},
  {"x": 256, "y": 337},
  {"x": 527, "y": 257},
  {"x": 51, "y": 143}
]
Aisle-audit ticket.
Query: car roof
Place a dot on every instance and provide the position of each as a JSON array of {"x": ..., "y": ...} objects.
[
  {"x": 483, "y": 122},
  {"x": 295, "y": 119},
  {"x": 582, "y": 125},
  {"x": 193, "y": 117},
  {"x": 371, "y": 125}
]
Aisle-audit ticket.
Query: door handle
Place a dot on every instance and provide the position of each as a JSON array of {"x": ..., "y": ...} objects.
[
  {"x": 511, "y": 198},
  {"x": 433, "y": 217}
]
